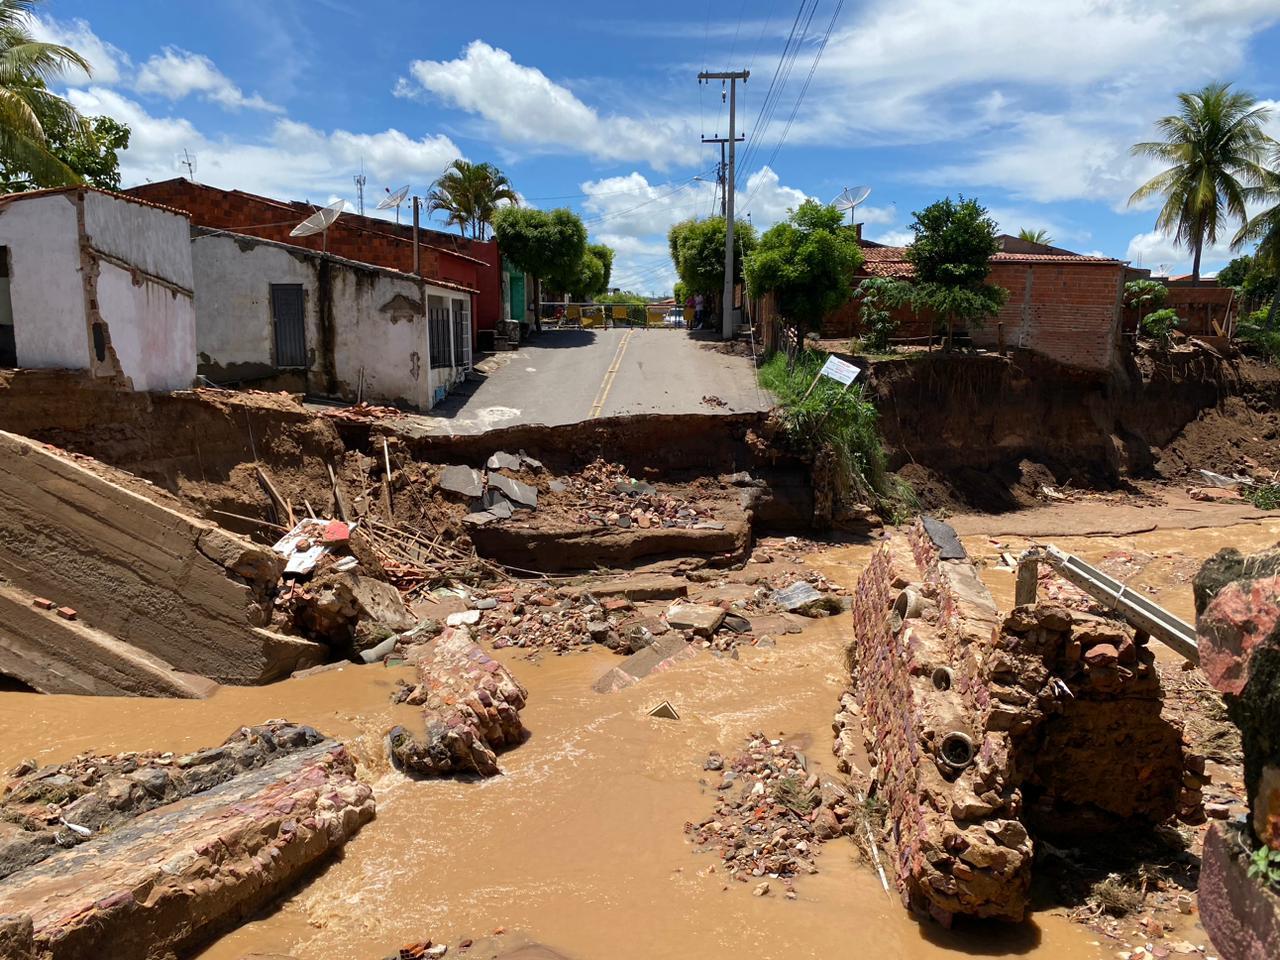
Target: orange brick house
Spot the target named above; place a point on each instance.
(1061, 305)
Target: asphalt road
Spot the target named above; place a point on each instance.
(568, 376)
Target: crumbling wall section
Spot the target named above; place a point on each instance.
(984, 729)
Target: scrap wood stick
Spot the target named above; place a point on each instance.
(284, 509)
(339, 500)
(236, 516)
(386, 480)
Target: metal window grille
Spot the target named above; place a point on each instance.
(462, 335)
(438, 331)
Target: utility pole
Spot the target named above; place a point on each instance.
(727, 328)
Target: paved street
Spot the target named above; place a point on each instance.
(567, 376)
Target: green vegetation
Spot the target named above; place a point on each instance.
(1040, 236)
(470, 193)
(91, 150)
(952, 251)
(590, 277)
(1264, 496)
(634, 302)
(1144, 295)
(878, 296)
(807, 262)
(36, 126)
(1214, 145)
(838, 423)
(544, 243)
(1260, 338)
(1264, 866)
(1159, 326)
(697, 250)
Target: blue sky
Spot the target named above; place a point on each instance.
(1028, 106)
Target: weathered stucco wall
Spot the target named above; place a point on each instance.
(153, 328)
(355, 318)
(49, 327)
(143, 236)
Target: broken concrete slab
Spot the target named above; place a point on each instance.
(463, 618)
(480, 518)
(664, 653)
(504, 461)
(496, 503)
(797, 596)
(635, 488)
(644, 587)
(518, 493)
(470, 709)
(703, 619)
(163, 581)
(171, 877)
(462, 480)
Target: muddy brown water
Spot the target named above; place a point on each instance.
(580, 845)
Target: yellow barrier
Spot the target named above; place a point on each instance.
(590, 318)
(655, 316)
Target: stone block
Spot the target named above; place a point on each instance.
(700, 618)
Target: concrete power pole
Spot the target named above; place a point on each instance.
(727, 329)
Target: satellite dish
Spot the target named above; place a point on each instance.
(393, 198)
(849, 199)
(319, 221)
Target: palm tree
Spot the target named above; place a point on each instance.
(470, 193)
(1264, 229)
(1040, 236)
(26, 106)
(1214, 145)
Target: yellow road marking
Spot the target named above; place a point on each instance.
(607, 383)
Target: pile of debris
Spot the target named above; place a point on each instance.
(772, 814)
(364, 412)
(154, 854)
(605, 494)
(470, 709)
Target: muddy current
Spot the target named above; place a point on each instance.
(580, 845)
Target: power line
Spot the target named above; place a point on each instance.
(773, 96)
(622, 213)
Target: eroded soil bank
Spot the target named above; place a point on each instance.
(580, 845)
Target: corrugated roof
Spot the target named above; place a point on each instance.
(51, 191)
(893, 261)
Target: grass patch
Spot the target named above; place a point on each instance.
(1259, 340)
(1264, 496)
(1115, 897)
(835, 422)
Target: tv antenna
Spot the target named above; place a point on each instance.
(189, 162)
(360, 180)
(849, 199)
(319, 222)
(394, 199)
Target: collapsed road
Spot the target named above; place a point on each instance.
(577, 662)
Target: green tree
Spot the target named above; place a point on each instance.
(877, 297)
(1214, 146)
(952, 251)
(634, 303)
(27, 108)
(590, 276)
(544, 243)
(470, 194)
(94, 156)
(1040, 236)
(807, 262)
(1233, 274)
(697, 250)
(1264, 229)
(1159, 325)
(1144, 295)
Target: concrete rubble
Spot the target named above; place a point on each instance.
(1238, 626)
(986, 731)
(772, 813)
(470, 710)
(155, 854)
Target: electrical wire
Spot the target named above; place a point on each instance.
(622, 213)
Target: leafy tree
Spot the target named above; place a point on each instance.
(544, 243)
(470, 193)
(681, 293)
(634, 303)
(1265, 230)
(878, 296)
(92, 154)
(697, 250)
(27, 107)
(1040, 236)
(1214, 145)
(1143, 295)
(590, 276)
(1160, 324)
(1233, 274)
(952, 251)
(807, 262)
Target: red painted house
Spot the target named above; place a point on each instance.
(442, 256)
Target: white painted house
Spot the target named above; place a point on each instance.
(97, 281)
(274, 315)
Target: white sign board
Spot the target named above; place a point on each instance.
(839, 370)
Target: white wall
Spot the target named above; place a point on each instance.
(46, 286)
(149, 238)
(233, 278)
(153, 329)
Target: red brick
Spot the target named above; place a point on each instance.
(67, 613)
(43, 603)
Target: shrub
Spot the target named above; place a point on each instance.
(1160, 324)
(1255, 335)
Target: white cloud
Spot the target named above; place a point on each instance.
(177, 74)
(1156, 252)
(521, 105)
(767, 200)
(107, 61)
(893, 238)
(294, 161)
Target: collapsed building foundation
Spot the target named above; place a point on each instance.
(986, 731)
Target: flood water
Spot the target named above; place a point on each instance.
(580, 845)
